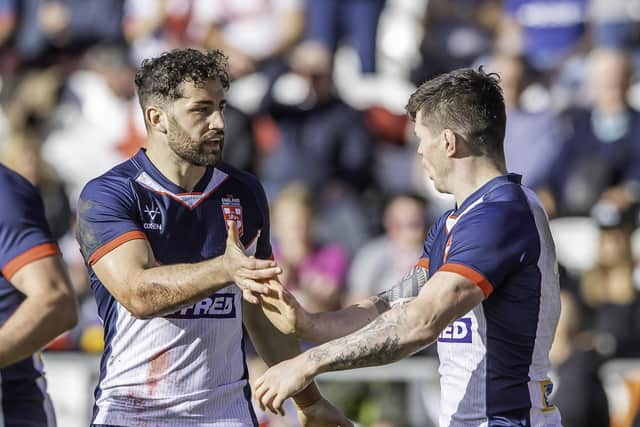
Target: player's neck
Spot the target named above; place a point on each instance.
(175, 169)
(471, 178)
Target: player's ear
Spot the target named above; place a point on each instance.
(451, 141)
(156, 118)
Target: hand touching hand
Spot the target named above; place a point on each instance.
(246, 272)
(283, 310)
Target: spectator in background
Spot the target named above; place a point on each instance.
(609, 289)
(314, 272)
(547, 31)
(614, 23)
(29, 120)
(22, 153)
(44, 30)
(579, 394)
(98, 120)
(456, 33)
(155, 26)
(533, 139)
(316, 138)
(601, 157)
(330, 22)
(253, 33)
(382, 262)
(311, 135)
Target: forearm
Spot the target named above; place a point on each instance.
(32, 326)
(271, 345)
(164, 289)
(322, 327)
(392, 336)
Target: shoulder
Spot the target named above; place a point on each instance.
(116, 182)
(16, 193)
(242, 177)
(505, 209)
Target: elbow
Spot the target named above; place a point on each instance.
(136, 306)
(63, 311)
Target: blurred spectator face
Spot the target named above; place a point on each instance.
(511, 70)
(404, 221)
(609, 73)
(314, 62)
(195, 128)
(21, 154)
(614, 247)
(291, 219)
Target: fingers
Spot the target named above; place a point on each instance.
(233, 236)
(263, 274)
(249, 297)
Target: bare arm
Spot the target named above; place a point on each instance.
(131, 274)
(404, 329)
(327, 326)
(48, 309)
(399, 332)
(273, 347)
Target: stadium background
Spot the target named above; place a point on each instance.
(316, 112)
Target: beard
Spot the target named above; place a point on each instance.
(194, 151)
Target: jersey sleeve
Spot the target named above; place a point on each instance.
(428, 242)
(24, 232)
(107, 218)
(488, 244)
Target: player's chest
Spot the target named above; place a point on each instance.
(192, 229)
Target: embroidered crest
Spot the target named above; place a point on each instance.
(232, 211)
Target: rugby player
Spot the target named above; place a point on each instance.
(491, 297)
(175, 239)
(36, 302)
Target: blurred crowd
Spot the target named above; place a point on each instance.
(316, 112)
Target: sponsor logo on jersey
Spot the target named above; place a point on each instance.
(152, 213)
(217, 306)
(232, 211)
(546, 388)
(457, 332)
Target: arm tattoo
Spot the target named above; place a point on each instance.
(408, 288)
(377, 343)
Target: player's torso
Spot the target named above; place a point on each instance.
(480, 376)
(189, 362)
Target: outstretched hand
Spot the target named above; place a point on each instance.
(248, 273)
(283, 310)
(280, 382)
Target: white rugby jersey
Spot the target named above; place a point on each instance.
(186, 368)
(494, 362)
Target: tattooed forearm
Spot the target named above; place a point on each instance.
(408, 287)
(378, 343)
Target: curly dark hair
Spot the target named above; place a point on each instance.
(470, 103)
(158, 79)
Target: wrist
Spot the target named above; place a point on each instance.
(305, 328)
(310, 395)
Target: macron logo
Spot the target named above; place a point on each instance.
(152, 213)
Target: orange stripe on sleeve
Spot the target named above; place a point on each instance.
(30, 255)
(111, 245)
(480, 281)
(424, 263)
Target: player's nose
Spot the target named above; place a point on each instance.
(216, 120)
